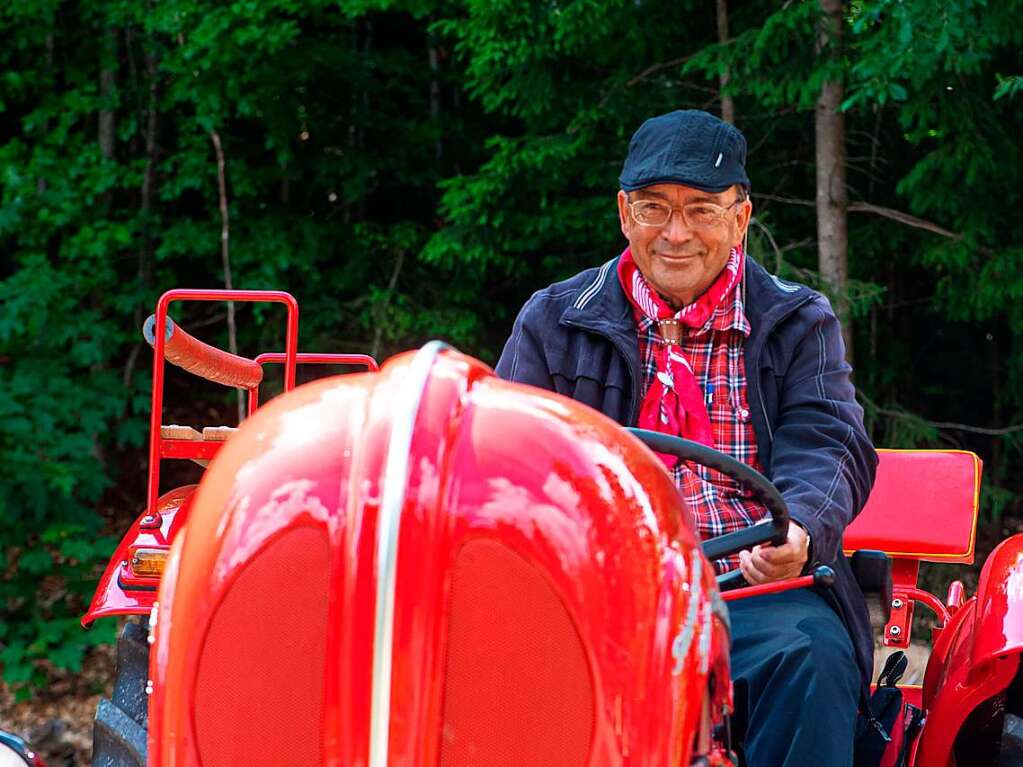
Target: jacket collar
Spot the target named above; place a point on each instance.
(602, 306)
(769, 299)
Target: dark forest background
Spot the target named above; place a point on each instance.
(414, 169)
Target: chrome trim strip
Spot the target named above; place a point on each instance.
(395, 481)
(684, 639)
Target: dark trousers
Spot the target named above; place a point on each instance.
(796, 681)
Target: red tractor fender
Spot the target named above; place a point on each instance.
(999, 613)
(432, 566)
(122, 591)
(977, 655)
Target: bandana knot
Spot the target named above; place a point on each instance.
(674, 403)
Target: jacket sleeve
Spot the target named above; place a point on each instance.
(523, 358)
(822, 462)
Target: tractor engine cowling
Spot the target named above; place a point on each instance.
(432, 566)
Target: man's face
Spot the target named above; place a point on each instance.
(681, 261)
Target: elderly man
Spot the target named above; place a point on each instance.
(684, 333)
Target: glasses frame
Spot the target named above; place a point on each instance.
(723, 212)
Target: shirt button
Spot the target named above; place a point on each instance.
(743, 413)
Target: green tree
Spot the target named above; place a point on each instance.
(415, 169)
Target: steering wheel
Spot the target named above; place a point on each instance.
(774, 529)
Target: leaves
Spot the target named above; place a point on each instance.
(416, 168)
(1008, 86)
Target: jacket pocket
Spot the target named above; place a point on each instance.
(596, 375)
(601, 367)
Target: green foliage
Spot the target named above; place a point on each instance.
(332, 156)
(935, 304)
(414, 169)
(1008, 86)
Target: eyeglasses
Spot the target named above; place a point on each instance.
(696, 215)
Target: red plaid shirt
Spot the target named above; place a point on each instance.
(715, 352)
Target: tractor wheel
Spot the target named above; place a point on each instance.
(119, 730)
(1011, 754)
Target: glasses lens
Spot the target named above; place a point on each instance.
(703, 214)
(650, 213)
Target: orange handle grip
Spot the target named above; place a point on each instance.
(203, 360)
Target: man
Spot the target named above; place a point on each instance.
(683, 333)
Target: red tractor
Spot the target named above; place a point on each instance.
(427, 565)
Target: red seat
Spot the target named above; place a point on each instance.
(923, 506)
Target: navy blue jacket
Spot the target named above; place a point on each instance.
(578, 338)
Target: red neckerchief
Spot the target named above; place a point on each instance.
(674, 402)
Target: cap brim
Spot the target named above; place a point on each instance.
(703, 187)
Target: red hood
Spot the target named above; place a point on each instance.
(550, 605)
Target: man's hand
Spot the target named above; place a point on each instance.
(766, 563)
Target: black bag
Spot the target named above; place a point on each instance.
(886, 729)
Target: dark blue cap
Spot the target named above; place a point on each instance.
(688, 147)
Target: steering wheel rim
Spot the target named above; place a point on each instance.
(774, 530)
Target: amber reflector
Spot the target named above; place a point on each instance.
(259, 684)
(148, 563)
(518, 691)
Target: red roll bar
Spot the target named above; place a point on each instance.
(218, 362)
(309, 358)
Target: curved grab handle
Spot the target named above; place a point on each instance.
(203, 360)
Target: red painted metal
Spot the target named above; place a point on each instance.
(927, 598)
(955, 685)
(159, 352)
(937, 663)
(316, 358)
(999, 630)
(977, 655)
(538, 709)
(547, 478)
(202, 450)
(310, 358)
(119, 591)
(802, 582)
(269, 590)
(955, 597)
(904, 577)
(925, 486)
(547, 481)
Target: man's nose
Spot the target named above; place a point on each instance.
(676, 230)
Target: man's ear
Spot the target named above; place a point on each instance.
(624, 219)
(742, 219)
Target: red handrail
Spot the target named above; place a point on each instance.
(203, 360)
(927, 598)
(159, 354)
(800, 582)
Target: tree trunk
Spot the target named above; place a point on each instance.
(727, 104)
(107, 126)
(144, 275)
(832, 198)
(380, 310)
(41, 185)
(225, 254)
(434, 62)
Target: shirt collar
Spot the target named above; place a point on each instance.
(730, 315)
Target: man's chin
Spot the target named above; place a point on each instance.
(676, 293)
